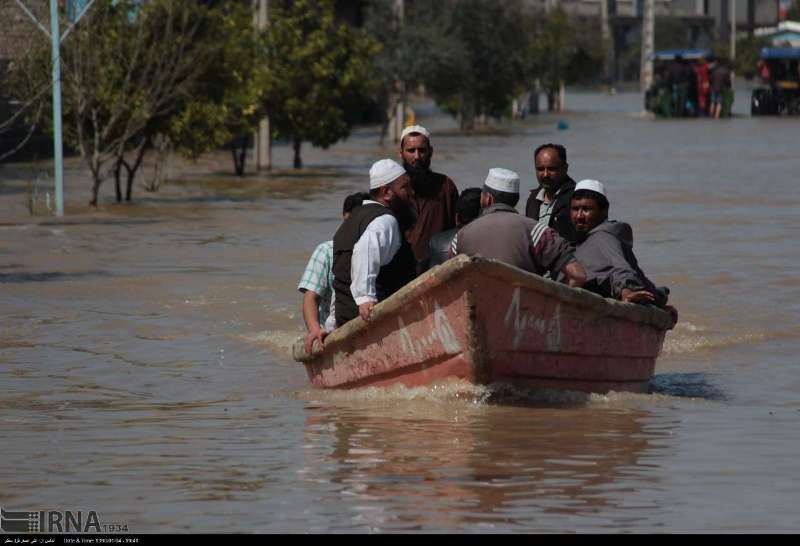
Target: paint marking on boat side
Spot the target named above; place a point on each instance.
(521, 322)
(442, 332)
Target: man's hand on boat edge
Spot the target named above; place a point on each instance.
(318, 334)
(365, 310)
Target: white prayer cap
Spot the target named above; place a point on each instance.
(415, 129)
(384, 172)
(502, 180)
(592, 185)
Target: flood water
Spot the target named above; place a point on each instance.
(146, 372)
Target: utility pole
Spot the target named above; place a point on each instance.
(58, 143)
(648, 38)
(608, 42)
(263, 138)
(400, 106)
(732, 11)
(55, 56)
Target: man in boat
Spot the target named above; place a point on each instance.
(371, 257)
(549, 203)
(502, 234)
(316, 284)
(435, 194)
(605, 248)
(468, 208)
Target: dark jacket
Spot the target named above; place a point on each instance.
(607, 255)
(393, 276)
(439, 249)
(559, 218)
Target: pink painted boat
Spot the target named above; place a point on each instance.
(484, 321)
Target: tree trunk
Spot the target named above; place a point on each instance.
(117, 187)
(298, 161)
(467, 115)
(239, 151)
(95, 190)
(133, 169)
(162, 150)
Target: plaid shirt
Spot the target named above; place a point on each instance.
(318, 277)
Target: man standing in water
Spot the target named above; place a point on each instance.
(549, 203)
(371, 257)
(435, 194)
(501, 233)
(316, 285)
(605, 248)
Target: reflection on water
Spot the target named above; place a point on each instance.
(146, 369)
(473, 466)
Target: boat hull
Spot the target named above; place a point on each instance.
(484, 322)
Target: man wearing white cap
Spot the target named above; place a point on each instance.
(435, 194)
(371, 257)
(605, 248)
(502, 234)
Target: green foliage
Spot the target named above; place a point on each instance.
(133, 72)
(588, 52)
(748, 51)
(227, 99)
(474, 55)
(320, 75)
(553, 49)
(794, 11)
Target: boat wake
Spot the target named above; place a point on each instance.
(277, 341)
(691, 338)
(454, 392)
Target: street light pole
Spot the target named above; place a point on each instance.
(263, 144)
(732, 11)
(58, 146)
(55, 56)
(648, 40)
(400, 107)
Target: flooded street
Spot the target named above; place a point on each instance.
(146, 371)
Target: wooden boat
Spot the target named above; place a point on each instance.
(484, 321)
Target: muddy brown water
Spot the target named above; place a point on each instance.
(145, 368)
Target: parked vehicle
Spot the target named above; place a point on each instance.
(668, 97)
(779, 92)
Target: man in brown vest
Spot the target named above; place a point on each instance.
(502, 234)
(371, 257)
(435, 195)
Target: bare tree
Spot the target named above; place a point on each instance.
(125, 70)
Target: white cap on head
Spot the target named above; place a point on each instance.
(384, 172)
(592, 185)
(415, 129)
(502, 180)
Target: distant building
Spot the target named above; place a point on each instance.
(785, 34)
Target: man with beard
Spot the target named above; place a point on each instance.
(549, 203)
(435, 194)
(501, 233)
(371, 257)
(605, 248)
